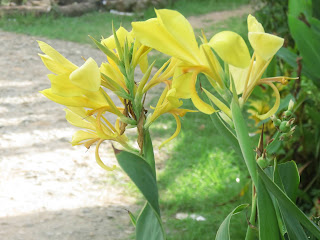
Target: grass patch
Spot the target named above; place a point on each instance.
(98, 24)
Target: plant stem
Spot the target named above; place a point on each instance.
(250, 231)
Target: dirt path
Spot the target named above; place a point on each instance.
(50, 190)
(210, 18)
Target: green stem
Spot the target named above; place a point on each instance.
(250, 231)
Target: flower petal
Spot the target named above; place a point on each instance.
(276, 105)
(122, 35)
(231, 48)
(175, 133)
(254, 25)
(77, 120)
(154, 33)
(56, 56)
(181, 82)
(87, 76)
(81, 135)
(62, 86)
(265, 45)
(198, 103)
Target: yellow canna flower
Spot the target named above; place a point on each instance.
(170, 33)
(97, 129)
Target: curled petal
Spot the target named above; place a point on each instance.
(231, 48)
(198, 103)
(265, 45)
(276, 105)
(99, 161)
(87, 77)
(175, 133)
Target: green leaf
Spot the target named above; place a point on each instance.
(223, 231)
(132, 218)
(141, 174)
(308, 42)
(244, 140)
(286, 202)
(286, 176)
(268, 222)
(149, 225)
(148, 151)
(226, 132)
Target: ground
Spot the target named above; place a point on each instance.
(49, 189)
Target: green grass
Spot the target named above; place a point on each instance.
(98, 24)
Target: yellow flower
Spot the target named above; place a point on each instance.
(172, 34)
(97, 129)
(169, 102)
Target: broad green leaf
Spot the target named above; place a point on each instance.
(223, 231)
(141, 174)
(291, 59)
(149, 225)
(268, 222)
(286, 202)
(308, 43)
(286, 176)
(244, 140)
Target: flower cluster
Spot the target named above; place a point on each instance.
(85, 90)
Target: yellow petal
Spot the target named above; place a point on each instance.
(54, 66)
(231, 48)
(254, 25)
(239, 76)
(154, 33)
(214, 67)
(276, 105)
(265, 45)
(77, 120)
(175, 133)
(87, 76)
(81, 135)
(143, 63)
(122, 35)
(56, 56)
(181, 82)
(173, 99)
(62, 86)
(70, 101)
(98, 159)
(198, 103)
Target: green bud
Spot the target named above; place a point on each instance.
(284, 127)
(263, 163)
(287, 113)
(277, 122)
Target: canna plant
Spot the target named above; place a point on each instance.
(85, 91)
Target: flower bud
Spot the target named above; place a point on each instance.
(262, 162)
(291, 104)
(287, 114)
(284, 127)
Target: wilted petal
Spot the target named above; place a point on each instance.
(231, 48)
(87, 76)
